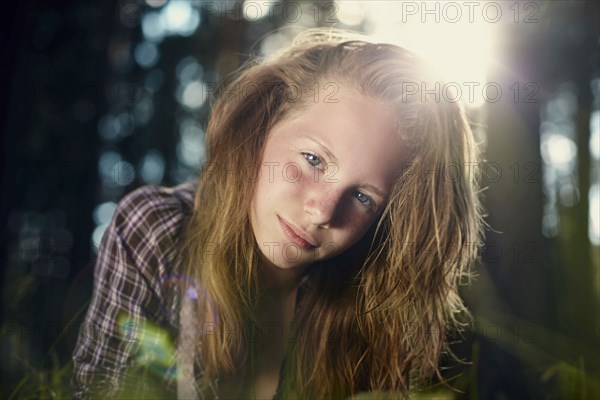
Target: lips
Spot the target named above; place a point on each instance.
(295, 235)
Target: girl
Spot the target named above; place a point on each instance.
(319, 253)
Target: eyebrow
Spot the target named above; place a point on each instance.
(335, 160)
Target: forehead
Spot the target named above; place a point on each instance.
(360, 132)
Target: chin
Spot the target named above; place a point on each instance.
(286, 264)
(279, 261)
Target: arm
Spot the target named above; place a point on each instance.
(127, 293)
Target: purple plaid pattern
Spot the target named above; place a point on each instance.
(134, 283)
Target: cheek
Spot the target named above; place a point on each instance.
(291, 172)
(356, 228)
(278, 181)
(360, 226)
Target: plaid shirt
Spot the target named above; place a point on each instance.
(136, 270)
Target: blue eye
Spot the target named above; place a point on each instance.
(313, 160)
(364, 199)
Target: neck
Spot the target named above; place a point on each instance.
(277, 282)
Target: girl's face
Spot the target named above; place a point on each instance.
(325, 176)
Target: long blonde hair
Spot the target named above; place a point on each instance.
(375, 317)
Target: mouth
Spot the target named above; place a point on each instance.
(302, 239)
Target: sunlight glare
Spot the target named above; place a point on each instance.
(461, 51)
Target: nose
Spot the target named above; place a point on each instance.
(320, 206)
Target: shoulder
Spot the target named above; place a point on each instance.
(152, 202)
(150, 218)
(141, 249)
(146, 231)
